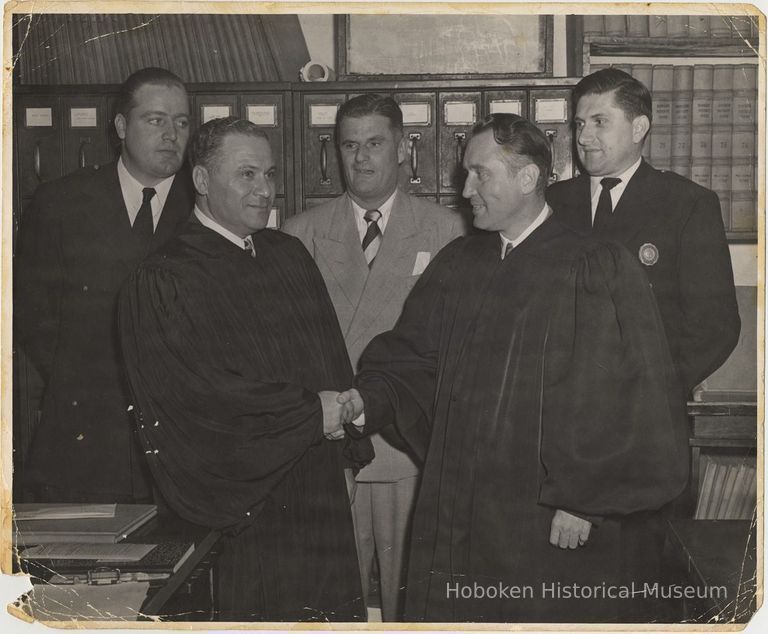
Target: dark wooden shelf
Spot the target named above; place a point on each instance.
(609, 46)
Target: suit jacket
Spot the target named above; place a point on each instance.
(675, 229)
(76, 248)
(369, 302)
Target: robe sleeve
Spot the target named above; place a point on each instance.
(399, 369)
(613, 429)
(218, 435)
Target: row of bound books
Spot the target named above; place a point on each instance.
(727, 489)
(702, 26)
(705, 128)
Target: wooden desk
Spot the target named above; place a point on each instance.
(712, 554)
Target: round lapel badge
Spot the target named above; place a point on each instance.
(648, 254)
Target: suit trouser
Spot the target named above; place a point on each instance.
(382, 512)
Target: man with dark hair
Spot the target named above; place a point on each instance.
(528, 370)
(80, 238)
(375, 219)
(672, 225)
(233, 351)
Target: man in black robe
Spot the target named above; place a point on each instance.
(233, 354)
(530, 371)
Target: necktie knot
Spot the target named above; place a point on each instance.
(143, 225)
(609, 182)
(372, 215)
(248, 246)
(604, 209)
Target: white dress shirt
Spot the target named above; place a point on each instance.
(222, 231)
(545, 213)
(596, 188)
(133, 194)
(385, 209)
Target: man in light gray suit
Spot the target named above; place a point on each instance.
(371, 244)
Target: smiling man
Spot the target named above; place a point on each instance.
(371, 245)
(80, 239)
(232, 350)
(528, 371)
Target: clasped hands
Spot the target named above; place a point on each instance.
(339, 408)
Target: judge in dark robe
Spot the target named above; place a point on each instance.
(529, 370)
(233, 353)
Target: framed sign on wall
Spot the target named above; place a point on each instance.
(443, 46)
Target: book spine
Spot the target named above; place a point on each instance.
(637, 25)
(743, 211)
(615, 25)
(721, 185)
(719, 26)
(661, 139)
(682, 102)
(701, 125)
(677, 26)
(657, 25)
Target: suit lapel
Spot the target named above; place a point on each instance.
(178, 207)
(391, 268)
(105, 208)
(577, 211)
(638, 206)
(342, 253)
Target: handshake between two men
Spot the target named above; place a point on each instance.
(340, 408)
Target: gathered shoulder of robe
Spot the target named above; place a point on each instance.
(225, 354)
(538, 382)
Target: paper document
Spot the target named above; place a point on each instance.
(62, 511)
(100, 552)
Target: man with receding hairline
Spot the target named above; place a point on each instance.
(528, 371)
(234, 354)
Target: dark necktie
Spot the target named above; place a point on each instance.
(142, 226)
(372, 238)
(604, 204)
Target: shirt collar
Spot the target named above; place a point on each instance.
(545, 213)
(211, 224)
(625, 177)
(133, 190)
(385, 209)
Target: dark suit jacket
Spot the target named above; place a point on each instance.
(76, 249)
(692, 277)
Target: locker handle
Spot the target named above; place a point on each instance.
(324, 140)
(460, 137)
(36, 160)
(551, 134)
(81, 153)
(414, 137)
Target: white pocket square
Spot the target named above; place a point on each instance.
(422, 260)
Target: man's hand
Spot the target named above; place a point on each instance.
(332, 428)
(568, 531)
(352, 405)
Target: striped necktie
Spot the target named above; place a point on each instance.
(372, 238)
(248, 246)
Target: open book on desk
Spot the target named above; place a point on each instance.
(127, 518)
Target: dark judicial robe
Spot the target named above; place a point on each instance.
(533, 383)
(225, 355)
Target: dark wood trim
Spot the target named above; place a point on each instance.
(608, 46)
(574, 35)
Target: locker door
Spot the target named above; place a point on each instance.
(39, 142)
(320, 162)
(85, 132)
(550, 110)
(418, 174)
(459, 111)
(268, 112)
